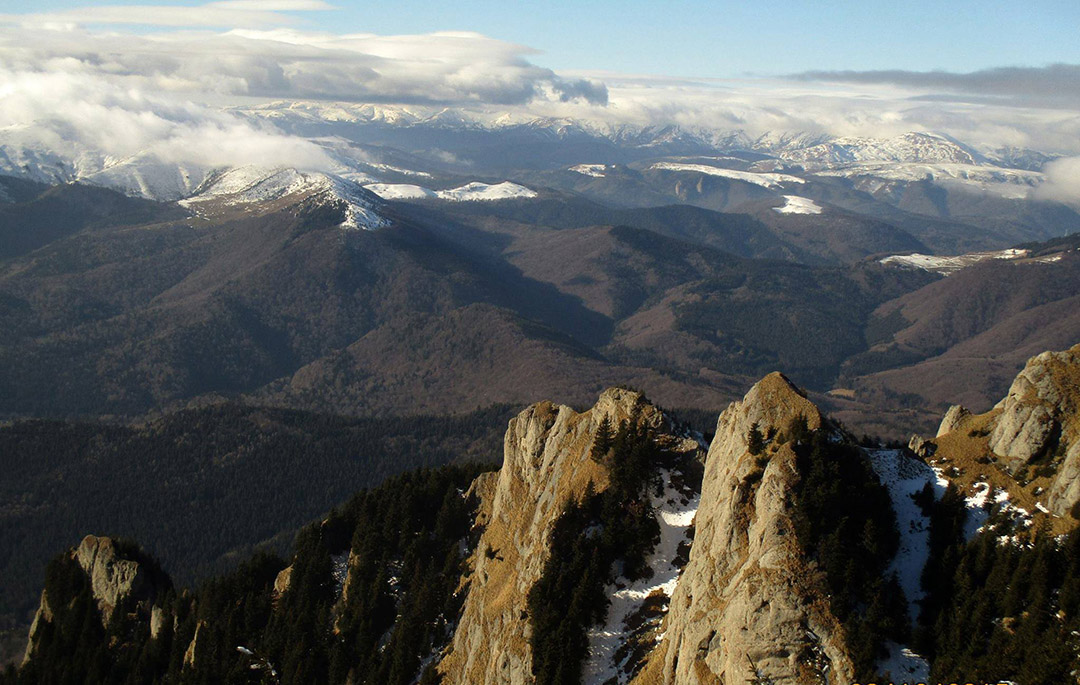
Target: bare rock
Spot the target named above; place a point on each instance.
(954, 419)
(546, 465)
(1044, 396)
(113, 577)
(921, 447)
(282, 581)
(747, 607)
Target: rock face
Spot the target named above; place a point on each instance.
(546, 465)
(114, 577)
(1040, 422)
(746, 608)
(921, 447)
(954, 419)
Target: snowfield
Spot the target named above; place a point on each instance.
(675, 513)
(798, 205)
(764, 179)
(594, 170)
(904, 476)
(948, 265)
(400, 191)
(471, 192)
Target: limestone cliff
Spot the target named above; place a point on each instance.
(546, 466)
(747, 608)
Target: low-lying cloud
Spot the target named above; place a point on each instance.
(1062, 181)
(1055, 85)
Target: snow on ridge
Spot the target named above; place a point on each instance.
(764, 179)
(798, 205)
(594, 170)
(674, 513)
(400, 191)
(946, 265)
(477, 191)
(470, 192)
(251, 185)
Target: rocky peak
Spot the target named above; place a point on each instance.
(747, 609)
(116, 575)
(113, 576)
(546, 465)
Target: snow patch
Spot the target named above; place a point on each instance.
(798, 205)
(904, 477)
(948, 265)
(400, 191)
(903, 666)
(765, 179)
(340, 571)
(399, 170)
(471, 192)
(675, 513)
(594, 170)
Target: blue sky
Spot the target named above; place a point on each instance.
(723, 38)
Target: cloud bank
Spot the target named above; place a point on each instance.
(1055, 85)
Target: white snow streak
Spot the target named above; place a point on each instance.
(798, 205)
(947, 265)
(674, 512)
(766, 180)
(471, 192)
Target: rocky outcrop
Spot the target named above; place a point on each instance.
(43, 617)
(747, 607)
(113, 577)
(190, 654)
(1039, 421)
(116, 576)
(954, 419)
(922, 447)
(1042, 398)
(546, 466)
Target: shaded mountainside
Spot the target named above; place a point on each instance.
(202, 487)
(281, 304)
(963, 338)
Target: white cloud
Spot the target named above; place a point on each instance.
(56, 111)
(227, 13)
(1062, 181)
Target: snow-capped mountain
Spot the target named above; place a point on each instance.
(245, 186)
(927, 148)
(435, 151)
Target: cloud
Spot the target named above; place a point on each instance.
(97, 120)
(450, 68)
(227, 13)
(1056, 85)
(1062, 181)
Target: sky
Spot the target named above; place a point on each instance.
(716, 38)
(123, 78)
